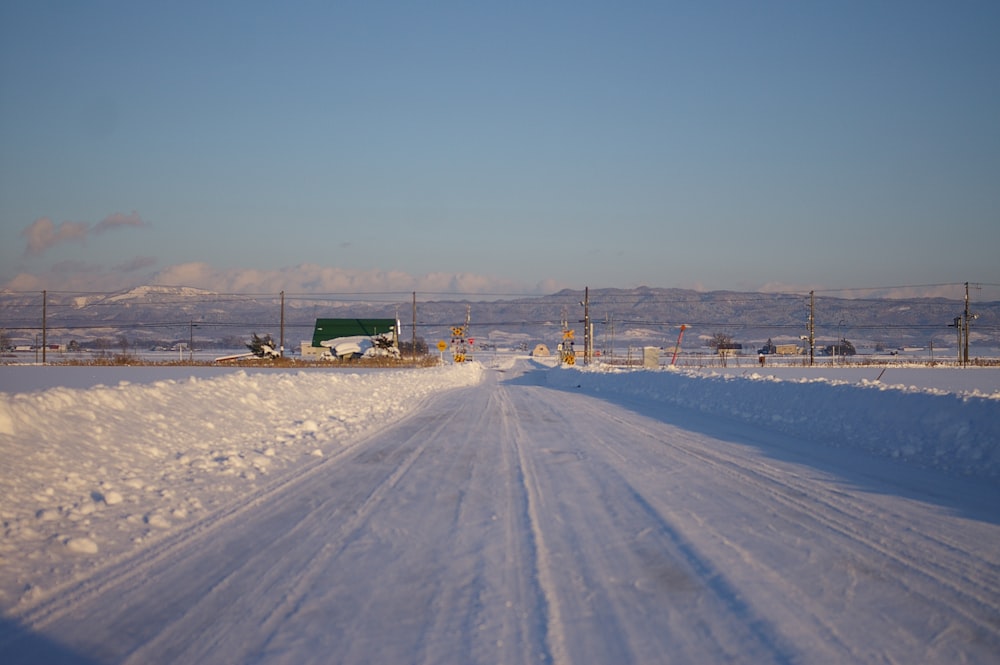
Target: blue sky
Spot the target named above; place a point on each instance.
(498, 147)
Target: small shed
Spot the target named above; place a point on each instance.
(541, 351)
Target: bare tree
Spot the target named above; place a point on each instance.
(720, 341)
(723, 345)
(102, 344)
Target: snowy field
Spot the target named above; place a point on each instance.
(507, 511)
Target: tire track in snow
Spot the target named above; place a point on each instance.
(447, 631)
(620, 535)
(944, 572)
(457, 611)
(527, 486)
(760, 631)
(303, 565)
(127, 575)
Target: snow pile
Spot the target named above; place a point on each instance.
(956, 432)
(106, 469)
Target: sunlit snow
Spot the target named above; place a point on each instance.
(500, 511)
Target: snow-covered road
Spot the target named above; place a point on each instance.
(517, 522)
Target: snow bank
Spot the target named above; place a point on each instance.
(90, 473)
(933, 428)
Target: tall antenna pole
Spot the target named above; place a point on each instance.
(413, 334)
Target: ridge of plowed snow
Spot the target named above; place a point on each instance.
(106, 469)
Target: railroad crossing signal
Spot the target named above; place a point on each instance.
(566, 352)
(458, 345)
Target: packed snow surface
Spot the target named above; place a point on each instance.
(504, 512)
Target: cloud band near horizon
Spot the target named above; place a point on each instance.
(303, 278)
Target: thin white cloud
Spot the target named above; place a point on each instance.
(43, 234)
(310, 278)
(305, 278)
(313, 278)
(90, 280)
(80, 276)
(785, 287)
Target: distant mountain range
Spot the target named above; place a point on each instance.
(156, 315)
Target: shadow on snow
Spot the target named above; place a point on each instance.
(970, 497)
(19, 645)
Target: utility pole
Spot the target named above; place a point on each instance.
(281, 350)
(812, 327)
(611, 324)
(965, 346)
(957, 324)
(586, 325)
(45, 343)
(413, 334)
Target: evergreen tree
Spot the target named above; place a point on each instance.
(257, 346)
